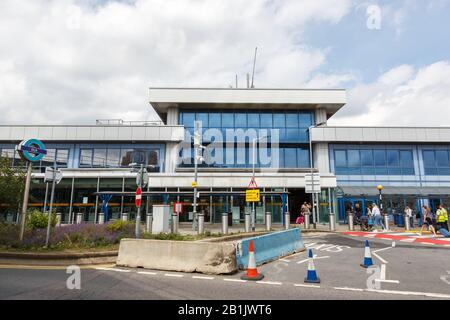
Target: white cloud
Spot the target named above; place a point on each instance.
(401, 97)
(70, 61)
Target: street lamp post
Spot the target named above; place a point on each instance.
(312, 171)
(197, 157)
(253, 176)
(380, 197)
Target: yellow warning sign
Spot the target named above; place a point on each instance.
(194, 184)
(252, 195)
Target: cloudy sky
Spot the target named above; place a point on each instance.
(74, 61)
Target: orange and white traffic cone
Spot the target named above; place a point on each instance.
(252, 272)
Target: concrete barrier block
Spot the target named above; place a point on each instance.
(182, 256)
(270, 246)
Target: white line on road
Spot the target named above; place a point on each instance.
(348, 289)
(147, 272)
(379, 258)
(387, 281)
(269, 282)
(315, 258)
(285, 260)
(387, 248)
(306, 285)
(234, 280)
(112, 269)
(173, 275)
(203, 278)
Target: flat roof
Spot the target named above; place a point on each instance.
(231, 98)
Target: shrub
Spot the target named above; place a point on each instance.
(119, 225)
(39, 220)
(9, 234)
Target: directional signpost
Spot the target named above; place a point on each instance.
(31, 150)
(312, 183)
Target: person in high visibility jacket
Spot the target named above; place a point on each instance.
(442, 217)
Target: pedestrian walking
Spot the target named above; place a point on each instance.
(378, 219)
(442, 217)
(305, 210)
(409, 215)
(427, 220)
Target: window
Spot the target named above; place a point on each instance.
(99, 159)
(380, 158)
(253, 120)
(62, 157)
(227, 120)
(240, 120)
(290, 158)
(442, 158)
(340, 158)
(366, 158)
(215, 120)
(49, 159)
(305, 119)
(374, 162)
(292, 120)
(429, 159)
(203, 118)
(353, 158)
(187, 119)
(436, 162)
(279, 120)
(266, 120)
(86, 158)
(393, 158)
(126, 157)
(303, 158)
(113, 158)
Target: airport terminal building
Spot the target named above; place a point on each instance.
(411, 163)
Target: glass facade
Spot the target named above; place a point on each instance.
(436, 162)
(374, 161)
(229, 136)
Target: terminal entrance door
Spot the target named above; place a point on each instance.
(296, 198)
(357, 205)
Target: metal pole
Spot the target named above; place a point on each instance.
(350, 221)
(138, 214)
(51, 206)
(268, 220)
(194, 209)
(312, 177)
(45, 200)
(253, 177)
(71, 214)
(225, 223)
(287, 220)
(26, 195)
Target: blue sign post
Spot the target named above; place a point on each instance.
(30, 150)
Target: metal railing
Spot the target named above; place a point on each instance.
(120, 122)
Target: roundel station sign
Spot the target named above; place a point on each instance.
(31, 150)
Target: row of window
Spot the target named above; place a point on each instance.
(118, 157)
(250, 119)
(284, 135)
(237, 157)
(374, 161)
(436, 162)
(61, 156)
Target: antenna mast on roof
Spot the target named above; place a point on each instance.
(254, 63)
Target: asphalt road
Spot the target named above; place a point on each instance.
(413, 272)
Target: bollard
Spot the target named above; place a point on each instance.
(386, 221)
(247, 222)
(124, 216)
(149, 222)
(9, 217)
(407, 225)
(79, 217)
(58, 219)
(101, 218)
(268, 221)
(201, 222)
(307, 224)
(332, 222)
(287, 219)
(350, 222)
(175, 222)
(225, 223)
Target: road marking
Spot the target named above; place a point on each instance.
(379, 258)
(306, 285)
(202, 277)
(387, 248)
(387, 281)
(348, 289)
(26, 267)
(147, 272)
(285, 260)
(112, 269)
(173, 275)
(408, 240)
(315, 258)
(234, 280)
(269, 282)
(413, 293)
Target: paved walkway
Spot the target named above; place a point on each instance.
(404, 236)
